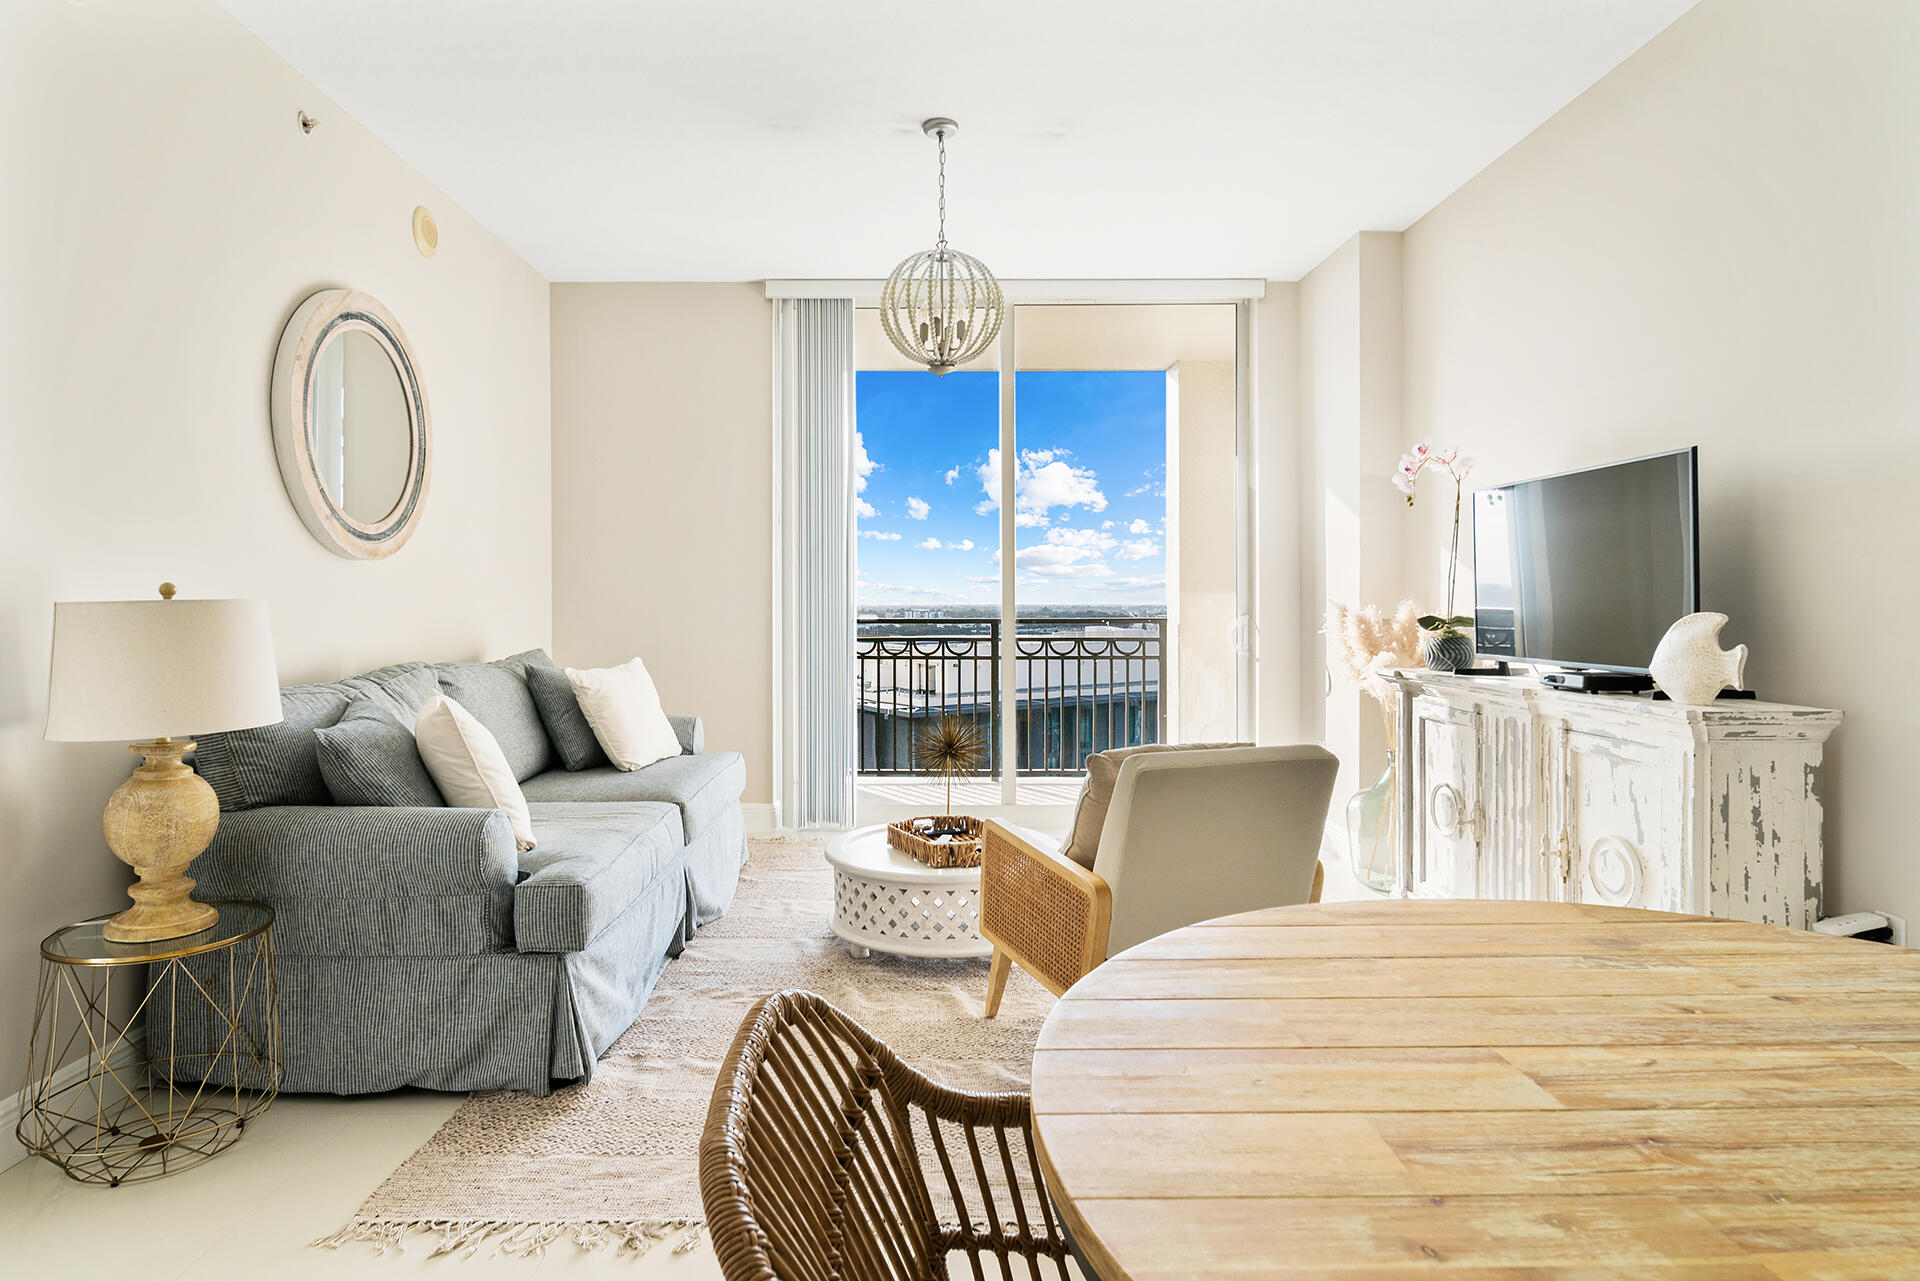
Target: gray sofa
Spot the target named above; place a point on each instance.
(415, 945)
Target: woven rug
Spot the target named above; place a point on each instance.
(615, 1163)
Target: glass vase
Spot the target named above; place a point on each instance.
(1370, 833)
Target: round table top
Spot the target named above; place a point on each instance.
(83, 944)
(864, 852)
(1412, 1089)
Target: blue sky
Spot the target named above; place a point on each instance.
(1090, 501)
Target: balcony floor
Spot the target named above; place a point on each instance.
(899, 789)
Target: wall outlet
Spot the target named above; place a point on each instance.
(1899, 926)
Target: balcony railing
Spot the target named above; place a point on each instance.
(1080, 685)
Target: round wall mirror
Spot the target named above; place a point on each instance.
(350, 424)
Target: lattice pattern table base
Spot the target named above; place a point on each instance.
(914, 920)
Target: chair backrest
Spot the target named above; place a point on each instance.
(819, 1146)
(1195, 835)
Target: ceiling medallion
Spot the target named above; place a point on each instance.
(941, 308)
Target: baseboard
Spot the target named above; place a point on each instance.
(132, 1050)
(763, 817)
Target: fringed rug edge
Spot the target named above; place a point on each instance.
(516, 1239)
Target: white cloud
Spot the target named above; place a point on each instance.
(1137, 549)
(881, 535)
(953, 474)
(1094, 570)
(964, 545)
(1106, 524)
(1087, 540)
(1043, 480)
(983, 578)
(1139, 527)
(917, 509)
(862, 508)
(863, 466)
(1126, 584)
(930, 545)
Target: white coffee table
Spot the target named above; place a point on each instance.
(884, 901)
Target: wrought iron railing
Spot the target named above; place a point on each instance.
(1080, 685)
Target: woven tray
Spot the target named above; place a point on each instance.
(950, 853)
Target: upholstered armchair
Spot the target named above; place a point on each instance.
(1190, 835)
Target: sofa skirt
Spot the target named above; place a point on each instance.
(497, 1020)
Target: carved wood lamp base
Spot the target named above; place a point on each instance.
(157, 822)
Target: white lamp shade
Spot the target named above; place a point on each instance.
(133, 670)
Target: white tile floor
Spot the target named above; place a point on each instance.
(250, 1212)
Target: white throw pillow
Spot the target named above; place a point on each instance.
(623, 708)
(468, 766)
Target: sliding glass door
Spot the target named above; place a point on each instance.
(1106, 461)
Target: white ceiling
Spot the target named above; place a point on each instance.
(735, 140)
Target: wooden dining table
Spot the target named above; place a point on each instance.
(1491, 1090)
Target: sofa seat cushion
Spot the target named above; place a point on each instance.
(590, 864)
(705, 787)
(496, 694)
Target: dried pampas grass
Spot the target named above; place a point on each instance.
(1366, 642)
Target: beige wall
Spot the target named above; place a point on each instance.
(1351, 434)
(160, 216)
(1717, 245)
(663, 529)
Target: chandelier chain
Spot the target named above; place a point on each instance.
(941, 137)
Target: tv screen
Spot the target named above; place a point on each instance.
(1588, 568)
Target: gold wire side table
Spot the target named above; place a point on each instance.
(148, 1058)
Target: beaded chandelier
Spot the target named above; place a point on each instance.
(941, 308)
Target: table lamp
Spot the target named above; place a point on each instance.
(142, 670)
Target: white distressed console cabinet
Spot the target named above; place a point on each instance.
(1508, 789)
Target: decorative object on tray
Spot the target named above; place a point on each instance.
(1446, 647)
(1690, 667)
(146, 669)
(1367, 643)
(950, 746)
(948, 840)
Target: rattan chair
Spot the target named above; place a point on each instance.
(1190, 836)
(825, 1157)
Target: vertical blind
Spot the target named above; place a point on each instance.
(813, 490)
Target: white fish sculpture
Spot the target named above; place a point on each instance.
(1690, 667)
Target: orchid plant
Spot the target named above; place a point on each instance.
(1457, 466)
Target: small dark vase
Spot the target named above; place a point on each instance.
(1446, 653)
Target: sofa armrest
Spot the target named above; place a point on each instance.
(369, 880)
(692, 733)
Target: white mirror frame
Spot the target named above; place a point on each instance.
(321, 317)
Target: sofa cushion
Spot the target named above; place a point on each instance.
(370, 758)
(559, 708)
(497, 696)
(705, 787)
(402, 689)
(468, 766)
(273, 764)
(592, 862)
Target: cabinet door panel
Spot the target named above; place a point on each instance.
(1446, 801)
(1628, 823)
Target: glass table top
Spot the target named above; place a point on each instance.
(83, 943)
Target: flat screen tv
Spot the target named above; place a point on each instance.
(1587, 568)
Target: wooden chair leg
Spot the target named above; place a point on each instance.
(1319, 882)
(997, 979)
